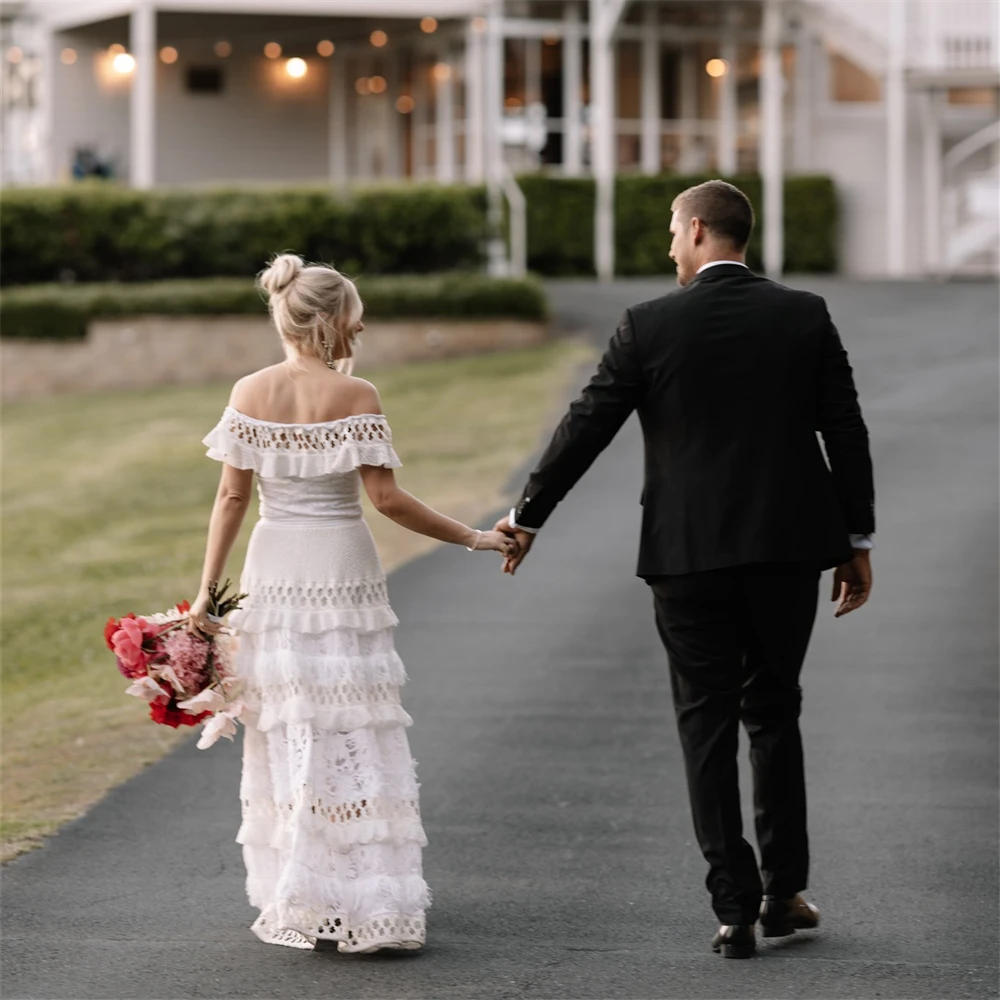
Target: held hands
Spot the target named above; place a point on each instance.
(494, 541)
(524, 540)
(852, 583)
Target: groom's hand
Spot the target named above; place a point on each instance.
(852, 583)
(524, 539)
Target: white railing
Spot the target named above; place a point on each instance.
(941, 35)
(971, 173)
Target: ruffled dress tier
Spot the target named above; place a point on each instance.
(331, 829)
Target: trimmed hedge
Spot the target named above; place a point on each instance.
(102, 233)
(106, 233)
(63, 312)
(561, 223)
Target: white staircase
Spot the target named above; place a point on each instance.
(971, 204)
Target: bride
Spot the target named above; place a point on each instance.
(331, 829)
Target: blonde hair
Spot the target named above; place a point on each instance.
(315, 309)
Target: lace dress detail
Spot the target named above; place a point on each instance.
(331, 829)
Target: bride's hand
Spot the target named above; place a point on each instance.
(198, 617)
(497, 541)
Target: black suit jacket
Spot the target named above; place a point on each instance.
(732, 377)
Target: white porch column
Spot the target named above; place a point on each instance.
(772, 139)
(572, 92)
(650, 71)
(142, 102)
(932, 181)
(444, 131)
(393, 119)
(475, 110)
(337, 121)
(688, 70)
(727, 95)
(602, 104)
(493, 121)
(420, 117)
(805, 50)
(895, 120)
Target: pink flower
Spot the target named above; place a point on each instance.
(127, 644)
(187, 656)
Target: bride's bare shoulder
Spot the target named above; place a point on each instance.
(364, 396)
(246, 389)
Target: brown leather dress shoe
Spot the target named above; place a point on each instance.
(735, 940)
(780, 916)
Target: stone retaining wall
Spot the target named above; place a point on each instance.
(148, 351)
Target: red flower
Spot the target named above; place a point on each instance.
(166, 713)
(112, 627)
(184, 607)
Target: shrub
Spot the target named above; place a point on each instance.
(561, 223)
(106, 233)
(63, 312)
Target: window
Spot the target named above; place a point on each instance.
(850, 84)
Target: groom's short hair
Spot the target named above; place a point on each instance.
(723, 208)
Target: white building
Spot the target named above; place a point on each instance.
(897, 100)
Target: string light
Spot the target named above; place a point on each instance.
(168, 55)
(377, 84)
(428, 25)
(326, 48)
(123, 63)
(272, 50)
(405, 104)
(441, 72)
(223, 49)
(379, 39)
(115, 50)
(716, 67)
(296, 68)
(362, 85)
(67, 57)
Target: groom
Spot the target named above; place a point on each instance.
(732, 376)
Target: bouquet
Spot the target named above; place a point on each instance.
(186, 676)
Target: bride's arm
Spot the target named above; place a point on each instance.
(231, 502)
(406, 510)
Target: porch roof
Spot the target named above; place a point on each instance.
(66, 14)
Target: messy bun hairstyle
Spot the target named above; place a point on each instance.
(315, 309)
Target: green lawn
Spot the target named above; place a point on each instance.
(105, 504)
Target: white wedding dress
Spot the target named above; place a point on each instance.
(331, 829)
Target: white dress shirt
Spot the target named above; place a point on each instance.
(857, 541)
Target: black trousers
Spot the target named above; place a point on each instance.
(736, 639)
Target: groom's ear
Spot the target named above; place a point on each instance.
(698, 230)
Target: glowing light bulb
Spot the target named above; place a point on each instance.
(168, 55)
(296, 68)
(222, 49)
(115, 50)
(428, 25)
(67, 57)
(405, 104)
(441, 72)
(379, 39)
(716, 67)
(326, 48)
(272, 50)
(377, 84)
(362, 85)
(123, 63)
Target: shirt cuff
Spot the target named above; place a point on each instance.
(862, 542)
(511, 520)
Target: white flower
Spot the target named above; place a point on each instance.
(145, 687)
(166, 671)
(208, 700)
(221, 724)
